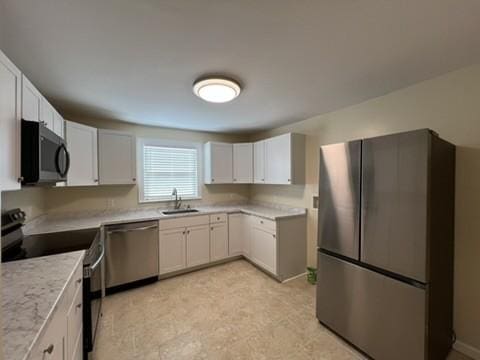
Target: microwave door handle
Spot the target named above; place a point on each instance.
(67, 161)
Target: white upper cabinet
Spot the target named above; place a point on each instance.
(218, 163)
(59, 125)
(82, 146)
(259, 162)
(285, 159)
(47, 114)
(10, 115)
(116, 157)
(243, 163)
(31, 101)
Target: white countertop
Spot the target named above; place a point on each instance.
(31, 290)
(95, 219)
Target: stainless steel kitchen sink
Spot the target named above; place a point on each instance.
(179, 211)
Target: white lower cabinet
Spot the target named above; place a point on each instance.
(172, 250)
(62, 338)
(198, 245)
(218, 241)
(236, 234)
(263, 249)
(74, 324)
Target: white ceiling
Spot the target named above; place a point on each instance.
(136, 60)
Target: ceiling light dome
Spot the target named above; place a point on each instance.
(216, 89)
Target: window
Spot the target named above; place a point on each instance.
(165, 165)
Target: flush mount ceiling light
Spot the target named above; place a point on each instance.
(216, 89)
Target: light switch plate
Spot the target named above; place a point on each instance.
(315, 201)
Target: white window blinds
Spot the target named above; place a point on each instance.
(165, 168)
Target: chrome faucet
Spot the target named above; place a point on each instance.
(178, 200)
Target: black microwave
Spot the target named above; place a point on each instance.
(45, 158)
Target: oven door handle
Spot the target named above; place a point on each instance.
(87, 271)
(99, 260)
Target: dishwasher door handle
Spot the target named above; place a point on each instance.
(132, 229)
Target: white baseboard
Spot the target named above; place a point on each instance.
(466, 349)
(294, 277)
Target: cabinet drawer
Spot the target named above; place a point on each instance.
(74, 322)
(218, 218)
(185, 221)
(74, 284)
(267, 225)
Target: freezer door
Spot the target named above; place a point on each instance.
(394, 203)
(383, 317)
(339, 195)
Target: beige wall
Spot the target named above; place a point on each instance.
(450, 105)
(30, 200)
(98, 197)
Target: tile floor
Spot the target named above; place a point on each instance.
(231, 311)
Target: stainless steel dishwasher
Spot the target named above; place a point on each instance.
(131, 255)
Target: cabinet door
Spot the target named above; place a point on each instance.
(263, 249)
(82, 146)
(198, 245)
(278, 160)
(218, 163)
(59, 125)
(52, 345)
(218, 241)
(116, 156)
(172, 250)
(259, 162)
(10, 114)
(74, 323)
(47, 114)
(394, 203)
(236, 234)
(243, 163)
(31, 101)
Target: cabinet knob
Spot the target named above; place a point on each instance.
(289, 180)
(20, 179)
(188, 231)
(96, 180)
(134, 179)
(211, 228)
(213, 180)
(261, 221)
(274, 235)
(79, 281)
(79, 306)
(49, 349)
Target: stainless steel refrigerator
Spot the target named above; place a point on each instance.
(386, 242)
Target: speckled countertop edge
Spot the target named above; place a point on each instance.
(95, 219)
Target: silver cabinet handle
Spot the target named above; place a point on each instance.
(133, 229)
(49, 349)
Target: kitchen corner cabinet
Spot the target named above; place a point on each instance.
(285, 159)
(218, 241)
(31, 101)
(116, 157)
(82, 146)
(243, 163)
(259, 162)
(10, 116)
(218, 163)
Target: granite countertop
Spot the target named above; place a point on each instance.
(31, 289)
(95, 219)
